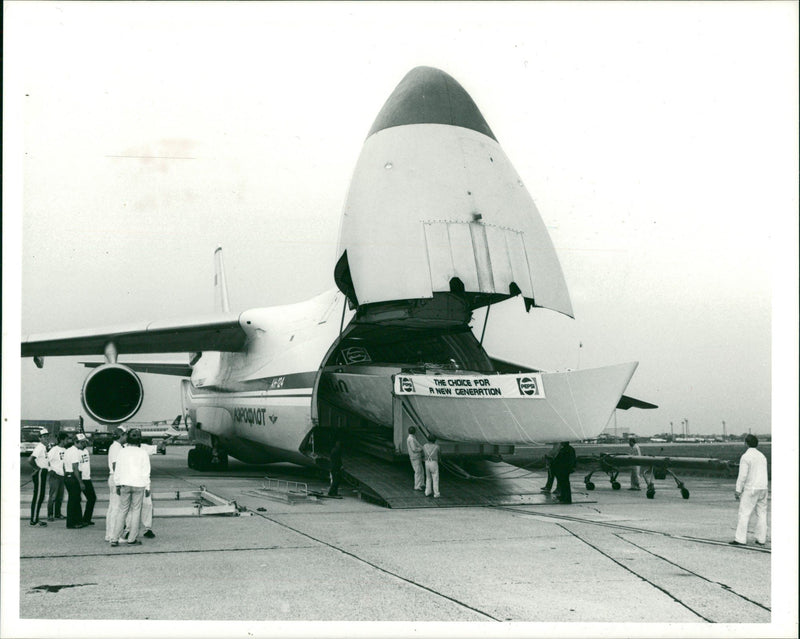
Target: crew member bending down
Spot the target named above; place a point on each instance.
(431, 452)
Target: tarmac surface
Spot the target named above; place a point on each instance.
(615, 557)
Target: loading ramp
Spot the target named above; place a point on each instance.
(484, 483)
(377, 467)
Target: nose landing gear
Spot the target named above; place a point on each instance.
(205, 458)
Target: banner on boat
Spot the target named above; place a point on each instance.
(525, 386)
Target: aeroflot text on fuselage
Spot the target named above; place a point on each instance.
(253, 416)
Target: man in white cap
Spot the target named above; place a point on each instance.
(55, 458)
(113, 499)
(87, 487)
(73, 483)
(38, 460)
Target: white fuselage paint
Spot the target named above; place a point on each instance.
(265, 391)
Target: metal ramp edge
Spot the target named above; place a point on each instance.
(489, 484)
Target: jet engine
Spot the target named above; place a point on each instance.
(112, 394)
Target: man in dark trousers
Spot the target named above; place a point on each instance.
(40, 465)
(336, 469)
(563, 464)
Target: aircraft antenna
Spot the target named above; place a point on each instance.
(221, 302)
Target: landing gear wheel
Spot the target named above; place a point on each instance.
(191, 458)
(651, 492)
(615, 485)
(203, 458)
(589, 485)
(684, 493)
(221, 463)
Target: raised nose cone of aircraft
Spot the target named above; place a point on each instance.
(430, 96)
(435, 207)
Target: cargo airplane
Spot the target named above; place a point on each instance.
(436, 225)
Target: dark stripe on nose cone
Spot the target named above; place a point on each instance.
(430, 96)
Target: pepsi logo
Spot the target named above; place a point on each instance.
(527, 386)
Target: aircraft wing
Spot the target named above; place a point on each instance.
(157, 368)
(221, 332)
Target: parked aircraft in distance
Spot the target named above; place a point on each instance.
(436, 225)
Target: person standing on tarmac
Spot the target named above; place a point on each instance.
(38, 460)
(147, 504)
(131, 477)
(636, 471)
(431, 451)
(752, 491)
(55, 458)
(87, 487)
(73, 483)
(336, 469)
(548, 461)
(415, 455)
(563, 465)
(119, 436)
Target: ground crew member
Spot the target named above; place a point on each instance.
(548, 461)
(415, 455)
(113, 498)
(431, 452)
(73, 483)
(85, 469)
(147, 504)
(563, 465)
(38, 460)
(131, 477)
(336, 469)
(55, 459)
(636, 471)
(752, 488)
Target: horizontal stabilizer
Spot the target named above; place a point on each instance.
(155, 368)
(626, 402)
(221, 332)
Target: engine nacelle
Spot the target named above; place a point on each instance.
(112, 394)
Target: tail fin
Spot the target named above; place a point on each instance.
(221, 302)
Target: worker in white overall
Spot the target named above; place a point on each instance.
(752, 493)
(431, 452)
(415, 455)
(146, 523)
(113, 499)
(636, 471)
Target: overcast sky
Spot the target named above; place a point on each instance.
(659, 142)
